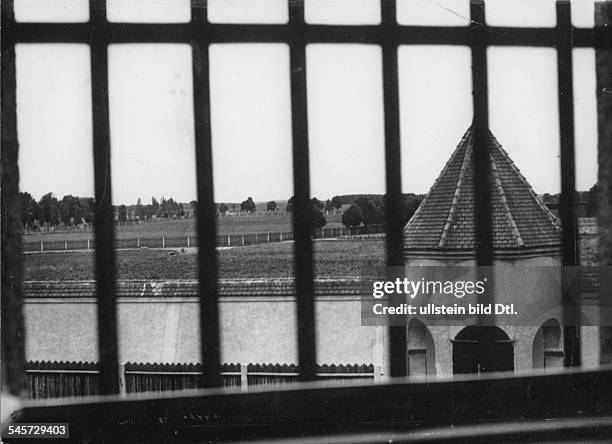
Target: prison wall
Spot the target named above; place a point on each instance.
(159, 322)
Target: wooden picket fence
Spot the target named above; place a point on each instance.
(46, 379)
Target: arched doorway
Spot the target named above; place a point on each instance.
(547, 349)
(421, 350)
(482, 349)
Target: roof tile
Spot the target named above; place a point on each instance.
(445, 219)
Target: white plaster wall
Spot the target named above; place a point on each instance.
(57, 331)
(253, 329)
(340, 337)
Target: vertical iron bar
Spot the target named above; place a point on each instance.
(603, 66)
(206, 211)
(481, 162)
(393, 174)
(480, 136)
(103, 213)
(302, 213)
(12, 322)
(567, 209)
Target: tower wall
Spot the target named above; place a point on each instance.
(531, 294)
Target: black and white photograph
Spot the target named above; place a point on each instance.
(312, 221)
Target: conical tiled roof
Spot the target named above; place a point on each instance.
(445, 219)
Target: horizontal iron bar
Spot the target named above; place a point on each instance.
(92, 372)
(138, 372)
(312, 408)
(261, 33)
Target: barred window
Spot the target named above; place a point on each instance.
(250, 161)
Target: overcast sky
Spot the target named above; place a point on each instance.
(151, 108)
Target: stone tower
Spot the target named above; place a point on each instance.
(525, 234)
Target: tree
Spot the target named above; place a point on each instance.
(223, 209)
(316, 203)
(336, 202)
(248, 205)
(353, 216)
(140, 211)
(194, 206)
(318, 219)
(49, 210)
(370, 214)
(88, 206)
(29, 209)
(290, 204)
(169, 208)
(172, 209)
(271, 206)
(592, 197)
(122, 213)
(65, 209)
(410, 203)
(328, 205)
(180, 211)
(71, 210)
(154, 208)
(163, 208)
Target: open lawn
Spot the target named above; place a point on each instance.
(332, 259)
(184, 227)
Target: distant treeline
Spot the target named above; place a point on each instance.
(50, 212)
(349, 199)
(369, 209)
(586, 201)
(73, 210)
(364, 209)
(164, 208)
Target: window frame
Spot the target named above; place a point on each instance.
(199, 33)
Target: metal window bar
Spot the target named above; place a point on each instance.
(199, 33)
(569, 223)
(482, 168)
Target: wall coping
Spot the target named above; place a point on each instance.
(349, 286)
(174, 288)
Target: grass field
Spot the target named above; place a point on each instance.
(332, 259)
(185, 227)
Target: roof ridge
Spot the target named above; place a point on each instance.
(451, 211)
(464, 138)
(514, 228)
(553, 219)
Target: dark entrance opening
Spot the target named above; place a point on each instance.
(483, 349)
